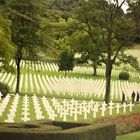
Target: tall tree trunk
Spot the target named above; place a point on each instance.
(108, 81)
(18, 75)
(95, 70)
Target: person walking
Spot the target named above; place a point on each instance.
(133, 97)
(138, 97)
(123, 97)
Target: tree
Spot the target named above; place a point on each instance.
(110, 31)
(81, 43)
(55, 28)
(66, 5)
(24, 30)
(134, 13)
(66, 61)
(6, 45)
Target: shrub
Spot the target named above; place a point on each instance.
(124, 123)
(4, 89)
(124, 76)
(43, 131)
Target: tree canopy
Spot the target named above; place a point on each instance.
(109, 30)
(25, 26)
(134, 13)
(98, 29)
(66, 61)
(6, 46)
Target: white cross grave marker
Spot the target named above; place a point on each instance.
(64, 113)
(118, 107)
(103, 108)
(53, 115)
(111, 107)
(130, 106)
(75, 111)
(124, 107)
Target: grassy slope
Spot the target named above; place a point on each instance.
(130, 136)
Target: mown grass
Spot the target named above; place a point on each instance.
(76, 75)
(29, 70)
(130, 136)
(60, 97)
(67, 95)
(32, 114)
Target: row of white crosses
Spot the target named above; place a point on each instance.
(67, 109)
(37, 108)
(4, 103)
(12, 112)
(25, 109)
(71, 86)
(51, 84)
(31, 83)
(76, 86)
(42, 66)
(63, 108)
(48, 108)
(36, 83)
(73, 108)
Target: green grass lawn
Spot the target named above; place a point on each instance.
(130, 136)
(60, 97)
(30, 69)
(32, 115)
(76, 75)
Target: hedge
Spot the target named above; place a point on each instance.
(47, 131)
(4, 89)
(124, 76)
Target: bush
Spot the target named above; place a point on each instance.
(4, 89)
(45, 131)
(124, 76)
(124, 123)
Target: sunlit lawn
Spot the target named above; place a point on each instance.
(130, 136)
(32, 115)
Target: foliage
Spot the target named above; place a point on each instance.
(129, 59)
(56, 26)
(124, 76)
(82, 59)
(109, 30)
(81, 43)
(124, 123)
(4, 89)
(134, 13)
(46, 130)
(6, 46)
(66, 61)
(25, 26)
(55, 32)
(66, 5)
